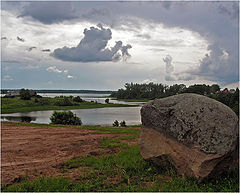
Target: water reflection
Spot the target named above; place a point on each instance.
(25, 119)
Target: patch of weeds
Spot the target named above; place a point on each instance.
(225, 183)
(41, 184)
(128, 137)
(114, 130)
(106, 142)
(100, 132)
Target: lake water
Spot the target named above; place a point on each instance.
(98, 116)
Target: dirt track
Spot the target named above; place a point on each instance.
(35, 151)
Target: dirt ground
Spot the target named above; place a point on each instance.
(35, 151)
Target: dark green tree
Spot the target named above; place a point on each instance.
(25, 94)
(65, 118)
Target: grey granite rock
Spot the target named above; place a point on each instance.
(196, 124)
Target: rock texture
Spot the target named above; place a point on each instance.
(197, 135)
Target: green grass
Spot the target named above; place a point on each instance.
(114, 130)
(106, 142)
(14, 105)
(125, 171)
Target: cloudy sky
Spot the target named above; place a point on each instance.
(103, 45)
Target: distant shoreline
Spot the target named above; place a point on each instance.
(3, 91)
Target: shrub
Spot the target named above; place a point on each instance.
(25, 94)
(65, 118)
(123, 124)
(44, 101)
(77, 99)
(36, 100)
(115, 123)
(63, 102)
(107, 101)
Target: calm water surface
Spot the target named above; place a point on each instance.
(99, 116)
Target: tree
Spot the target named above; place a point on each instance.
(107, 101)
(25, 94)
(214, 88)
(115, 123)
(77, 99)
(65, 118)
(123, 124)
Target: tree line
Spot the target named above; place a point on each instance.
(153, 91)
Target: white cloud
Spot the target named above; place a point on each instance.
(92, 48)
(69, 76)
(53, 69)
(7, 78)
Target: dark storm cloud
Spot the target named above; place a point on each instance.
(231, 10)
(46, 50)
(49, 12)
(96, 12)
(3, 38)
(31, 48)
(92, 48)
(20, 39)
(216, 64)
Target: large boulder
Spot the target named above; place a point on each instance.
(196, 135)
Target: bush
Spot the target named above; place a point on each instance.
(123, 124)
(25, 94)
(63, 102)
(65, 118)
(115, 123)
(77, 99)
(44, 101)
(107, 101)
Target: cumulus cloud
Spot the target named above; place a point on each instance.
(216, 64)
(20, 39)
(171, 75)
(53, 69)
(93, 48)
(58, 71)
(146, 81)
(169, 68)
(49, 12)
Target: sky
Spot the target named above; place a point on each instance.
(103, 45)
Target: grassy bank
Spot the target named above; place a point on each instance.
(122, 171)
(14, 105)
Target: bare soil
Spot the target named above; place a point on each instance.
(34, 150)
